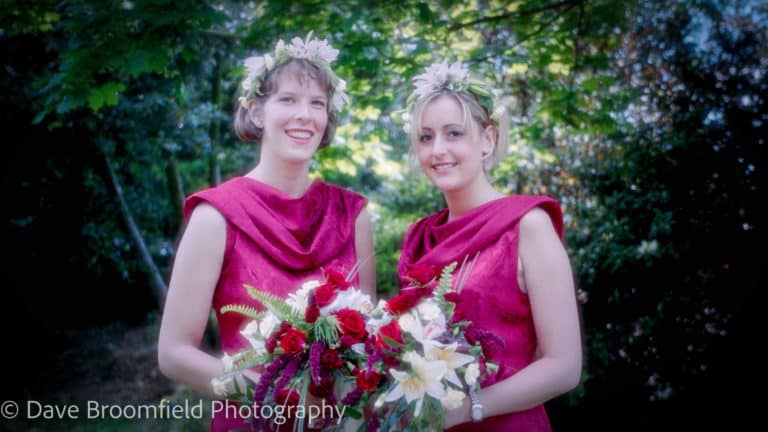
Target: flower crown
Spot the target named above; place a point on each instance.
(454, 77)
(317, 51)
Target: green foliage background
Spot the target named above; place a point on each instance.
(645, 119)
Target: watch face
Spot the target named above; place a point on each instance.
(477, 412)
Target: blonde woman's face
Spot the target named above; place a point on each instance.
(449, 153)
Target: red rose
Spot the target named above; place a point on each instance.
(421, 273)
(293, 341)
(392, 331)
(331, 360)
(368, 380)
(324, 294)
(407, 300)
(336, 279)
(271, 342)
(288, 397)
(351, 323)
(311, 314)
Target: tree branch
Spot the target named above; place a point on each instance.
(516, 14)
(156, 280)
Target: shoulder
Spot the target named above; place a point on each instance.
(207, 216)
(536, 221)
(538, 213)
(222, 196)
(341, 191)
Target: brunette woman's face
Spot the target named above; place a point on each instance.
(294, 119)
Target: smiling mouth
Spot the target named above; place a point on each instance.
(443, 166)
(299, 134)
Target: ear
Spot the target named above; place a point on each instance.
(488, 140)
(255, 116)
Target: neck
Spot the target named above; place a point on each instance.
(463, 200)
(291, 179)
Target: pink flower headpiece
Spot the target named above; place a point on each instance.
(319, 52)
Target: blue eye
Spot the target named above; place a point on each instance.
(456, 133)
(425, 138)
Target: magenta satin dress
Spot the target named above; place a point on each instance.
(491, 297)
(275, 243)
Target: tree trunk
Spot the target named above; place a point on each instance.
(215, 130)
(156, 280)
(175, 189)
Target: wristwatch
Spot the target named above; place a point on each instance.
(476, 410)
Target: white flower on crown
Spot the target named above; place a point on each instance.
(454, 77)
(255, 66)
(315, 50)
(440, 75)
(340, 96)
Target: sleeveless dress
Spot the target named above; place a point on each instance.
(491, 297)
(275, 243)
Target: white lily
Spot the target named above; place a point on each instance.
(472, 374)
(411, 323)
(425, 379)
(435, 351)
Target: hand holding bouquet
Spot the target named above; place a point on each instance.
(301, 345)
(427, 360)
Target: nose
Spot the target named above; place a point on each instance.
(302, 112)
(439, 146)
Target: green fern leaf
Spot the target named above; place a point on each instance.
(243, 310)
(446, 277)
(275, 304)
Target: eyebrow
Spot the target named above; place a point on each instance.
(448, 126)
(293, 93)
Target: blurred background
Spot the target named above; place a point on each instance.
(647, 120)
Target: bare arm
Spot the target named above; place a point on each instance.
(548, 278)
(187, 307)
(364, 251)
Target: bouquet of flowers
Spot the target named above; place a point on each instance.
(404, 360)
(418, 361)
(305, 344)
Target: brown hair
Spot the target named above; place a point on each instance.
(301, 70)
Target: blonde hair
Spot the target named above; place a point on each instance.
(475, 117)
(302, 70)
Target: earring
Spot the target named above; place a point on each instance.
(258, 123)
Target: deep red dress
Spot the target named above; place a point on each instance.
(275, 243)
(491, 297)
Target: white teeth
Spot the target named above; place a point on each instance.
(443, 166)
(299, 134)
